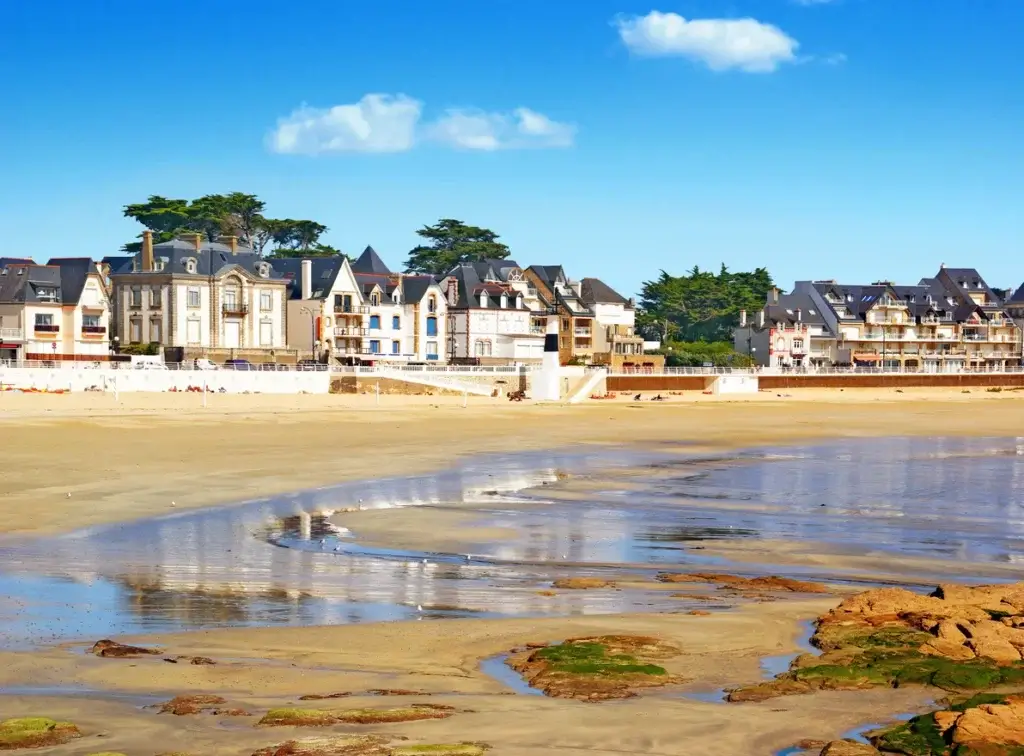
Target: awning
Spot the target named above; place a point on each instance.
(9, 346)
(867, 357)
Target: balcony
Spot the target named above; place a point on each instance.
(11, 334)
(351, 310)
(582, 332)
(94, 330)
(46, 328)
(234, 309)
(351, 332)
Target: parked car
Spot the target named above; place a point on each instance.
(239, 365)
(149, 366)
(205, 364)
(271, 366)
(310, 365)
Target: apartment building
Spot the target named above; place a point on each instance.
(362, 312)
(196, 298)
(58, 313)
(614, 338)
(788, 332)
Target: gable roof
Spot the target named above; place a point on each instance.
(21, 283)
(73, 273)
(370, 262)
(787, 308)
(211, 259)
(595, 291)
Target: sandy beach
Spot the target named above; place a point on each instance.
(74, 461)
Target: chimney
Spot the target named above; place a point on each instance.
(799, 315)
(147, 251)
(743, 318)
(306, 279)
(231, 241)
(197, 240)
(773, 295)
(760, 319)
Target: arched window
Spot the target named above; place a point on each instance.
(432, 304)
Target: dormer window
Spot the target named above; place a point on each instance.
(483, 298)
(159, 264)
(504, 301)
(190, 265)
(519, 301)
(263, 269)
(375, 299)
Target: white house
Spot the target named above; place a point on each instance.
(200, 298)
(58, 312)
(488, 316)
(362, 312)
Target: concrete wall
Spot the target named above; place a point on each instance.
(641, 383)
(105, 379)
(900, 380)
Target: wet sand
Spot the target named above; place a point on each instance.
(76, 460)
(133, 460)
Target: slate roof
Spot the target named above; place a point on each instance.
(323, 271)
(118, 263)
(785, 310)
(960, 282)
(471, 278)
(211, 258)
(66, 276)
(370, 262)
(11, 260)
(414, 288)
(595, 291)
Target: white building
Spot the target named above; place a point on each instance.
(58, 312)
(201, 298)
(362, 312)
(489, 318)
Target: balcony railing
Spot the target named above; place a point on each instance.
(234, 308)
(351, 331)
(13, 334)
(351, 310)
(47, 328)
(582, 332)
(94, 330)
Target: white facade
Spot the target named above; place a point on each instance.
(62, 333)
(499, 334)
(234, 310)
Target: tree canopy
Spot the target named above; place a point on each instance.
(700, 306)
(452, 242)
(234, 214)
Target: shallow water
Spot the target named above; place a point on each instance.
(263, 563)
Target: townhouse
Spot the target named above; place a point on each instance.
(489, 320)
(58, 313)
(789, 331)
(189, 298)
(362, 312)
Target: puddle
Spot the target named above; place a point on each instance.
(773, 666)
(498, 670)
(72, 691)
(716, 696)
(860, 733)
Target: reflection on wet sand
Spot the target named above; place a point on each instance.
(291, 560)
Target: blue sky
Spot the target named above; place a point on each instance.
(851, 139)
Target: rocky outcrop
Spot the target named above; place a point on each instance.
(986, 725)
(112, 649)
(35, 732)
(848, 748)
(582, 583)
(768, 584)
(197, 704)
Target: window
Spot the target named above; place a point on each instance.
(192, 331)
(90, 321)
(431, 326)
(155, 297)
(396, 347)
(46, 294)
(375, 322)
(193, 297)
(483, 348)
(230, 299)
(375, 298)
(266, 301)
(266, 333)
(154, 332)
(798, 344)
(136, 300)
(396, 323)
(346, 303)
(432, 304)
(136, 331)
(337, 303)
(431, 350)
(565, 324)
(44, 320)
(374, 347)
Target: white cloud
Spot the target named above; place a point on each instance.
(815, 2)
(835, 59)
(377, 123)
(720, 43)
(386, 123)
(521, 129)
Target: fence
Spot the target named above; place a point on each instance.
(128, 380)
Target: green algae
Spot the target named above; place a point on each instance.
(592, 658)
(297, 718)
(35, 732)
